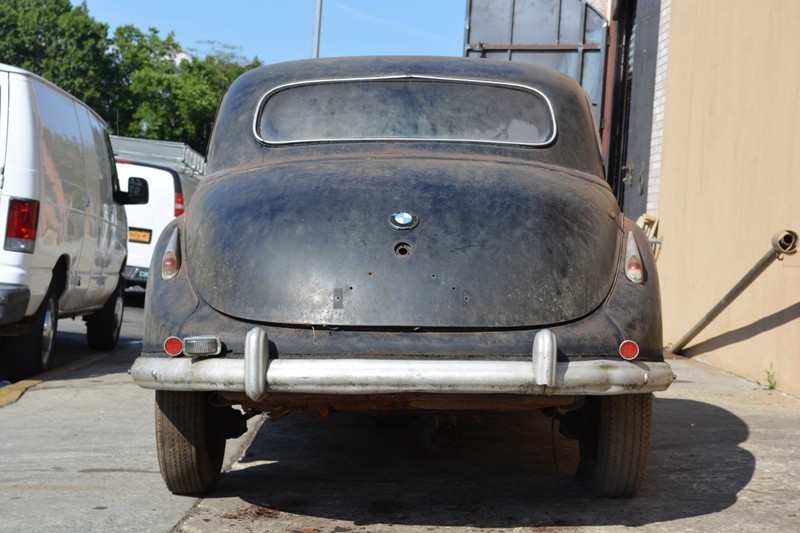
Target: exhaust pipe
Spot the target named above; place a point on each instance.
(783, 243)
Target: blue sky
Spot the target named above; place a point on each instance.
(281, 30)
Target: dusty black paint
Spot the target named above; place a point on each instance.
(510, 239)
(499, 243)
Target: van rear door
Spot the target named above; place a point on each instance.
(147, 221)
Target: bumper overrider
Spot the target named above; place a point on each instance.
(257, 376)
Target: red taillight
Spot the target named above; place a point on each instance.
(634, 270)
(169, 266)
(173, 346)
(628, 350)
(179, 207)
(171, 260)
(23, 219)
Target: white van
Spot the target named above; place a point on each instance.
(61, 216)
(170, 192)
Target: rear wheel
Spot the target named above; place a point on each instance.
(103, 327)
(32, 353)
(615, 444)
(189, 443)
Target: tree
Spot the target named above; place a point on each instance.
(200, 86)
(168, 94)
(62, 44)
(148, 67)
(143, 85)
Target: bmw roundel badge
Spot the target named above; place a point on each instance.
(403, 220)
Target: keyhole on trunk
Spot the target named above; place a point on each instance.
(402, 249)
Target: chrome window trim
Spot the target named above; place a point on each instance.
(262, 102)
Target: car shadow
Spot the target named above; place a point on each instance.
(134, 297)
(72, 347)
(504, 471)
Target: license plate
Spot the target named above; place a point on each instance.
(140, 235)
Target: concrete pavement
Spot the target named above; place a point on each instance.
(77, 453)
(724, 458)
(77, 449)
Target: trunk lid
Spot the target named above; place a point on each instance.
(497, 244)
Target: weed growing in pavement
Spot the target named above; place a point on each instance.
(772, 383)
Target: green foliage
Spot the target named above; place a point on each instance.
(169, 94)
(142, 84)
(62, 44)
(772, 382)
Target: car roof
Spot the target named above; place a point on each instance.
(456, 67)
(240, 104)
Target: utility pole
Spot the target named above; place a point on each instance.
(317, 25)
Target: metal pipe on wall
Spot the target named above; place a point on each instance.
(783, 243)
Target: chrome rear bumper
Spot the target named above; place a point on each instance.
(257, 376)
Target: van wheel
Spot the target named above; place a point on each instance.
(190, 448)
(615, 444)
(32, 353)
(103, 327)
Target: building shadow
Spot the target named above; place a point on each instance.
(504, 471)
(775, 320)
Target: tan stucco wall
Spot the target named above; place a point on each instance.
(730, 178)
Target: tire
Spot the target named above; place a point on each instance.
(190, 449)
(103, 327)
(615, 444)
(32, 354)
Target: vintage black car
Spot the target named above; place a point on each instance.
(414, 235)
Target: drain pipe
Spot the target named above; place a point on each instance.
(783, 243)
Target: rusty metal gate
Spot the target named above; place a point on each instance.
(613, 60)
(568, 35)
(636, 46)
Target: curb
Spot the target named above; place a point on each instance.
(11, 393)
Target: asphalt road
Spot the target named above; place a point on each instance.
(77, 453)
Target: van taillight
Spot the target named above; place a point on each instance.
(23, 219)
(179, 207)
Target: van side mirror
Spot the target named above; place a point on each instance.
(138, 192)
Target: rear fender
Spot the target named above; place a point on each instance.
(168, 302)
(636, 308)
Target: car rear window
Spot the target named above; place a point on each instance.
(405, 108)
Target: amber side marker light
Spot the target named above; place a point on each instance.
(173, 346)
(628, 350)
